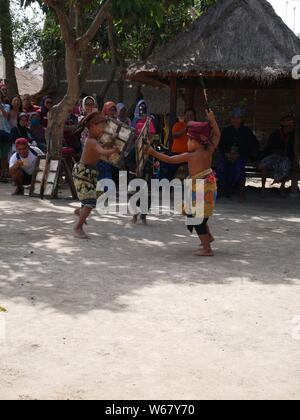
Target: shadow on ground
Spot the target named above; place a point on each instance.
(42, 264)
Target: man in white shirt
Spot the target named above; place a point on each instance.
(22, 164)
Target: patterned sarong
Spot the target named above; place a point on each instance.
(209, 195)
(85, 180)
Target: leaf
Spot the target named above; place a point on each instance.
(2, 309)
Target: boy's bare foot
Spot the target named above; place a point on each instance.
(80, 234)
(134, 219)
(144, 221)
(212, 239)
(77, 213)
(204, 253)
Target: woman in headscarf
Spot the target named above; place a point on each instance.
(88, 107)
(15, 110)
(122, 114)
(141, 109)
(46, 105)
(21, 130)
(110, 110)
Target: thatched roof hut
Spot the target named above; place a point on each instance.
(235, 38)
(237, 44)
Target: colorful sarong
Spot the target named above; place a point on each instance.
(85, 180)
(207, 198)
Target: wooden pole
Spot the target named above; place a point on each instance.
(295, 180)
(191, 94)
(173, 107)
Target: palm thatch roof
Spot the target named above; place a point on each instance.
(237, 38)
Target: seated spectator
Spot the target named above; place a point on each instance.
(15, 110)
(37, 132)
(22, 164)
(46, 105)
(4, 138)
(279, 154)
(28, 107)
(110, 110)
(123, 114)
(21, 130)
(238, 146)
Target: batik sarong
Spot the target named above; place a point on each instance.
(85, 180)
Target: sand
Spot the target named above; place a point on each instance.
(131, 314)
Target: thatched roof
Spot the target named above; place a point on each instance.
(241, 38)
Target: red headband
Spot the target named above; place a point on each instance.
(21, 142)
(200, 131)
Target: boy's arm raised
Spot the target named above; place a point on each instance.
(216, 133)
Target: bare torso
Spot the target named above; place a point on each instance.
(91, 154)
(200, 161)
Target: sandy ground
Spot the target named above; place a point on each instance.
(132, 315)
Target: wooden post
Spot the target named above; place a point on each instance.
(173, 107)
(191, 94)
(297, 142)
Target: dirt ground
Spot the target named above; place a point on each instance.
(131, 314)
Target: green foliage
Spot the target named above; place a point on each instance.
(139, 26)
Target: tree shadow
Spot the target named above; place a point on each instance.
(43, 265)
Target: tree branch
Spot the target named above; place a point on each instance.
(63, 20)
(90, 34)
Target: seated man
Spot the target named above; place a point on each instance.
(22, 164)
(238, 146)
(279, 154)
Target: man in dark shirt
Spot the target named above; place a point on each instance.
(279, 154)
(237, 147)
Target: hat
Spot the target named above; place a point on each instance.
(199, 131)
(21, 142)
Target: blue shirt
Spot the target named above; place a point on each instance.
(4, 123)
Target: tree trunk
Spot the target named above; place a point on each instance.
(59, 113)
(7, 46)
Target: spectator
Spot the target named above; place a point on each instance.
(15, 110)
(110, 110)
(140, 109)
(28, 107)
(21, 130)
(4, 137)
(37, 132)
(4, 91)
(238, 146)
(88, 107)
(22, 164)
(279, 154)
(46, 105)
(123, 114)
